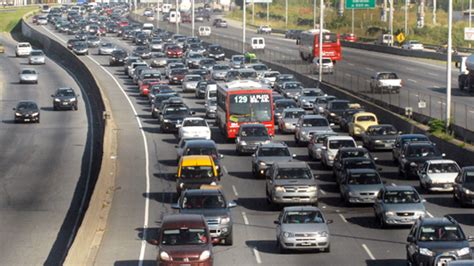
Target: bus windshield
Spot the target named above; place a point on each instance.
(250, 108)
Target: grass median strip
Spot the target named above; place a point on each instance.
(10, 17)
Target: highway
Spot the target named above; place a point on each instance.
(423, 79)
(40, 164)
(145, 188)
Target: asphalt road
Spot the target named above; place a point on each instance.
(40, 163)
(146, 188)
(423, 79)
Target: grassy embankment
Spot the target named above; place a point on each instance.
(11, 16)
(367, 22)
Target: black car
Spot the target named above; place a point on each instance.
(27, 111)
(71, 42)
(350, 163)
(172, 116)
(64, 98)
(158, 99)
(464, 187)
(142, 51)
(349, 152)
(414, 155)
(141, 39)
(250, 136)
(335, 109)
(118, 57)
(280, 105)
(437, 240)
(379, 137)
(216, 52)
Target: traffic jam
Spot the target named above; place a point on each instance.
(292, 136)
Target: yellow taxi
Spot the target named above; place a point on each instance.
(360, 122)
(195, 171)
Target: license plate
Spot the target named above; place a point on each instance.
(65, 103)
(185, 264)
(446, 185)
(305, 244)
(27, 120)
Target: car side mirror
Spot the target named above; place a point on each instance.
(153, 242)
(276, 222)
(423, 200)
(175, 206)
(332, 124)
(329, 221)
(376, 158)
(52, 95)
(410, 239)
(293, 155)
(221, 155)
(444, 154)
(13, 108)
(232, 204)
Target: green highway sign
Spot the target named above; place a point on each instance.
(360, 4)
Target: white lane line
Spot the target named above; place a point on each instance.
(393, 184)
(432, 74)
(322, 192)
(436, 86)
(343, 218)
(348, 75)
(89, 170)
(410, 69)
(429, 214)
(246, 220)
(225, 170)
(235, 191)
(257, 256)
(471, 111)
(351, 64)
(412, 80)
(147, 159)
(368, 251)
(369, 69)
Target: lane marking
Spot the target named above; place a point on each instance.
(368, 251)
(246, 220)
(429, 214)
(369, 69)
(436, 86)
(235, 191)
(89, 170)
(432, 74)
(257, 256)
(412, 80)
(225, 170)
(342, 218)
(351, 64)
(440, 102)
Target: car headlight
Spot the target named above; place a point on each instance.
(73, 100)
(242, 142)
(35, 114)
(389, 213)
(331, 157)
(181, 185)
(288, 235)
(164, 256)
(287, 124)
(57, 100)
(304, 133)
(426, 252)
(287, 93)
(312, 188)
(322, 234)
(166, 121)
(225, 220)
(267, 141)
(413, 164)
(279, 189)
(17, 114)
(378, 141)
(463, 251)
(467, 191)
(332, 114)
(351, 194)
(205, 255)
(262, 163)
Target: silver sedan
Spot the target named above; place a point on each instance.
(28, 75)
(37, 57)
(106, 48)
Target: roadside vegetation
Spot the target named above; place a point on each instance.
(11, 16)
(367, 23)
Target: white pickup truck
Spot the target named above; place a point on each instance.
(387, 82)
(23, 49)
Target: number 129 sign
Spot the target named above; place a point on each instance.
(260, 98)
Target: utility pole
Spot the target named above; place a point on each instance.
(192, 17)
(157, 15)
(268, 12)
(448, 65)
(421, 15)
(340, 10)
(314, 14)
(434, 11)
(244, 22)
(352, 26)
(406, 17)
(391, 19)
(178, 15)
(384, 11)
(253, 12)
(286, 14)
(320, 44)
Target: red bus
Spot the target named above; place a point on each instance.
(242, 102)
(308, 45)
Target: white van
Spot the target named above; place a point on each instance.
(175, 17)
(257, 43)
(204, 31)
(166, 8)
(211, 93)
(147, 28)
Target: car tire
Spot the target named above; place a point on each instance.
(229, 240)
(75, 107)
(281, 249)
(38, 121)
(328, 249)
(382, 223)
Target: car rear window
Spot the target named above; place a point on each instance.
(184, 236)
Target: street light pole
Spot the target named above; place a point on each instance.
(470, 12)
(244, 22)
(352, 27)
(177, 17)
(253, 12)
(192, 17)
(286, 14)
(157, 15)
(320, 44)
(391, 19)
(448, 66)
(268, 12)
(406, 17)
(314, 14)
(434, 12)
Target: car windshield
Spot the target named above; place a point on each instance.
(215, 49)
(294, 173)
(292, 86)
(176, 111)
(421, 151)
(337, 144)
(285, 78)
(438, 168)
(359, 164)
(366, 118)
(238, 59)
(207, 62)
(271, 74)
(36, 53)
(179, 71)
(193, 78)
(248, 74)
(26, 106)
(303, 217)
(340, 105)
(260, 67)
(62, 93)
(382, 130)
(356, 153)
(469, 177)
(220, 67)
(363, 179)
(203, 202)
(284, 104)
(294, 114)
(194, 123)
(184, 236)
(196, 172)
(311, 93)
(401, 197)
(212, 151)
(388, 76)
(273, 152)
(250, 108)
(440, 233)
(28, 71)
(413, 139)
(107, 44)
(315, 122)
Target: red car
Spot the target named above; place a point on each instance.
(122, 23)
(144, 86)
(174, 51)
(177, 75)
(349, 37)
(184, 240)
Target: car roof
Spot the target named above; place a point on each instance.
(440, 161)
(203, 192)
(273, 145)
(172, 221)
(420, 143)
(339, 137)
(412, 136)
(301, 208)
(361, 170)
(436, 221)
(293, 110)
(313, 117)
(364, 114)
(349, 149)
(196, 160)
(399, 188)
(200, 143)
(291, 164)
